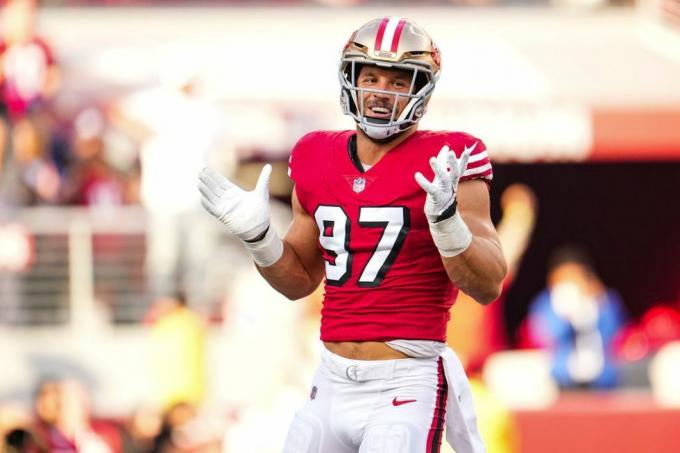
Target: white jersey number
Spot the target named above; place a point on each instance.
(334, 236)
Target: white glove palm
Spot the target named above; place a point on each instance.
(245, 214)
(441, 191)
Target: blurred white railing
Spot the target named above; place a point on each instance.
(81, 263)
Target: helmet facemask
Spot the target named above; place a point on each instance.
(353, 98)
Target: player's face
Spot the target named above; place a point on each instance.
(381, 105)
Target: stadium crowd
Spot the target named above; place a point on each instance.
(45, 158)
(60, 419)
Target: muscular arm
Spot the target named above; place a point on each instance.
(480, 269)
(300, 269)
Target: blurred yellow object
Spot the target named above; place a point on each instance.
(177, 353)
(494, 420)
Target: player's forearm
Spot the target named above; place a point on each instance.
(479, 270)
(288, 275)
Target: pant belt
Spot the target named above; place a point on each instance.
(366, 370)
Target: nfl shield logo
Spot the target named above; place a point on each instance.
(359, 185)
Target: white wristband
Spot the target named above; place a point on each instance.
(266, 251)
(451, 236)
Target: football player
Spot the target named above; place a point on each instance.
(395, 221)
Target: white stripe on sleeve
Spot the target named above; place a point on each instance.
(477, 157)
(476, 171)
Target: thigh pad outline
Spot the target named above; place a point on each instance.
(305, 434)
(387, 438)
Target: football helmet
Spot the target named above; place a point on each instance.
(389, 42)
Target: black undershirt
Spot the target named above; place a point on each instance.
(354, 153)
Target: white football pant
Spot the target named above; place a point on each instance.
(379, 406)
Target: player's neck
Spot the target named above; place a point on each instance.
(370, 152)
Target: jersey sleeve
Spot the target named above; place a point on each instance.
(479, 165)
(297, 161)
(301, 168)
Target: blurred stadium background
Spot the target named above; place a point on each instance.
(103, 132)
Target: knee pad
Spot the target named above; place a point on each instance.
(304, 435)
(394, 438)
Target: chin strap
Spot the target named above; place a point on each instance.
(379, 132)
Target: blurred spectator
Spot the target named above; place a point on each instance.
(29, 77)
(577, 318)
(141, 430)
(90, 180)
(46, 406)
(16, 434)
(29, 177)
(29, 72)
(177, 352)
(174, 418)
(21, 440)
(179, 132)
(64, 423)
(183, 430)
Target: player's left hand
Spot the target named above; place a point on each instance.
(440, 203)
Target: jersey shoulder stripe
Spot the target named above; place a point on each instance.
(479, 164)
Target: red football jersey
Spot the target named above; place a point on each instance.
(384, 276)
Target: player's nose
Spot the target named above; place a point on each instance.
(383, 83)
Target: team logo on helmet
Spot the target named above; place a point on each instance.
(436, 55)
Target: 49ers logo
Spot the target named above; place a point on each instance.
(386, 54)
(436, 55)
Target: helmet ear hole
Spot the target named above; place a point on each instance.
(347, 103)
(353, 107)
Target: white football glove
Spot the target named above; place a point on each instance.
(441, 192)
(245, 214)
(449, 232)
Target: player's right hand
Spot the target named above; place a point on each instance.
(245, 214)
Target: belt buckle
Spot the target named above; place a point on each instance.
(352, 373)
